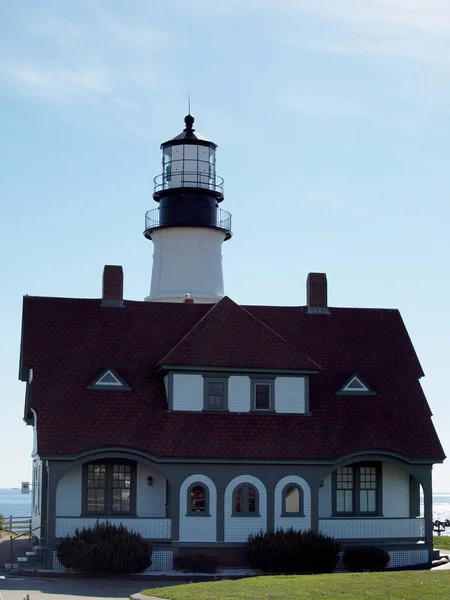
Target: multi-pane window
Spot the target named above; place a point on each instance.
(121, 484)
(245, 501)
(368, 489)
(109, 488)
(96, 488)
(357, 490)
(215, 393)
(197, 500)
(344, 490)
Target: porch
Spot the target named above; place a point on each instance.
(373, 528)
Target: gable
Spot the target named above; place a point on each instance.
(356, 386)
(230, 337)
(109, 379)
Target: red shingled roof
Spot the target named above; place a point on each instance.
(230, 336)
(68, 342)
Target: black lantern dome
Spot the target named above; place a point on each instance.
(188, 190)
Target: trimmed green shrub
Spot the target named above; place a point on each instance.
(291, 551)
(196, 563)
(368, 558)
(105, 548)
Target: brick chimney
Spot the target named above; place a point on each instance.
(112, 286)
(316, 293)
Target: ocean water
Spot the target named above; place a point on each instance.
(13, 502)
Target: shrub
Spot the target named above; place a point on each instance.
(292, 551)
(368, 558)
(2, 523)
(196, 563)
(105, 548)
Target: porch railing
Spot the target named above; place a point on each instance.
(373, 528)
(155, 529)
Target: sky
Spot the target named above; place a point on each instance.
(332, 119)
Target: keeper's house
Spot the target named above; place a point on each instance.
(196, 421)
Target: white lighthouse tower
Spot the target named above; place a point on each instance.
(188, 227)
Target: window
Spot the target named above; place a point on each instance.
(357, 490)
(215, 393)
(198, 500)
(262, 395)
(245, 501)
(109, 488)
(292, 500)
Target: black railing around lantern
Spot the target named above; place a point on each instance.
(188, 216)
(173, 179)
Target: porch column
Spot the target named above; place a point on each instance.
(55, 470)
(427, 486)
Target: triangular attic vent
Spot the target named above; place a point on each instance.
(356, 386)
(109, 380)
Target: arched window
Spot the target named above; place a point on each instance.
(292, 500)
(198, 500)
(245, 501)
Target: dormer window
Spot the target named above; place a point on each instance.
(262, 395)
(109, 379)
(356, 386)
(215, 391)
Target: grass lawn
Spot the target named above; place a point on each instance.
(400, 585)
(442, 542)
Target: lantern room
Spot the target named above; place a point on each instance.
(188, 161)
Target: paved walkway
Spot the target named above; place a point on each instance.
(77, 589)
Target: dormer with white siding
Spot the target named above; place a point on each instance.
(231, 361)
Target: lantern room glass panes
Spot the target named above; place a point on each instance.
(96, 488)
(189, 165)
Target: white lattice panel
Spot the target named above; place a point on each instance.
(162, 560)
(407, 558)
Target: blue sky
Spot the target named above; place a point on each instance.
(332, 119)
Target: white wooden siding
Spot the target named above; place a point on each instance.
(292, 521)
(36, 497)
(150, 500)
(290, 394)
(159, 529)
(395, 491)
(187, 392)
(237, 529)
(325, 506)
(239, 394)
(195, 528)
(35, 446)
(68, 494)
(351, 528)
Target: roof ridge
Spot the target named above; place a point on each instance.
(275, 332)
(248, 314)
(190, 330)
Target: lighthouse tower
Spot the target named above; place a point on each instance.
(188, 227)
